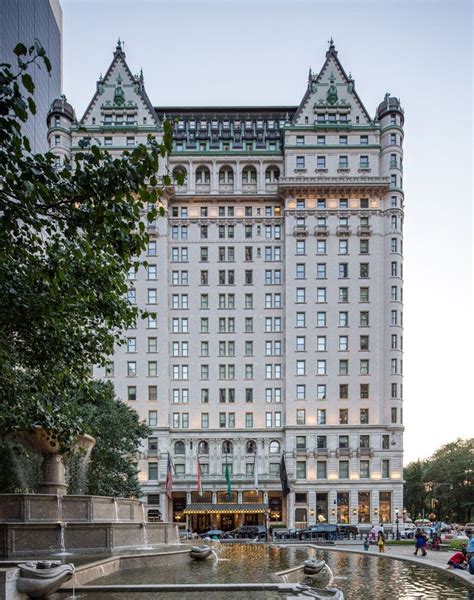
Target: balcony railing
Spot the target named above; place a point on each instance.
(300, 230)
(364, 230)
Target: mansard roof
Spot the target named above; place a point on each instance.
(119, 63)
(337, 77)
(229, 112)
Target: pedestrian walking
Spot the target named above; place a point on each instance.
(420, 542)
(366, 543)
(373, 534)
(381, 542)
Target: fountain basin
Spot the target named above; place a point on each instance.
(41, 539)
(49, 508)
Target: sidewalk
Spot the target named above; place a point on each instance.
(436, 560)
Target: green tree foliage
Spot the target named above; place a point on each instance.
(118, 432)
(67, 240)
(443, 484)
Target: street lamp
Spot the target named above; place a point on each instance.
(396, 522)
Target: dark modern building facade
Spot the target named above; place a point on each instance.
(24, 21)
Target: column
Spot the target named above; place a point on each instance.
(332, 506)
(238, 178)
(353, 506)
(374, 509)
(261, 178)
(214, 179)
(311, 507)
(291, 509)
(191, 179)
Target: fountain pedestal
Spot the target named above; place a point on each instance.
(53, 475)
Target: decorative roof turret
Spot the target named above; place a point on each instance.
(62, 106)
(389, 104)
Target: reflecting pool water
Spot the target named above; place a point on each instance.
(359, 576)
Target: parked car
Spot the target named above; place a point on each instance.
(290, 533)
(215, 534)
(321, 531)
(250, 532)
(347, 531)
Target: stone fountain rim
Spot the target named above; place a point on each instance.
(38, 439)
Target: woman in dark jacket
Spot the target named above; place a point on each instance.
(420, 542)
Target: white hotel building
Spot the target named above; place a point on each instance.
(276, 277)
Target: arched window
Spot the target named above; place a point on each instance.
(179, 448)
(203, 447)
(272, 174)
(249, 175)
(227, 447)
(180, 171)
(203, 175)
(226, 175)
(274, 447)
(250, 447)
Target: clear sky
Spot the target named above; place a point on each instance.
(258, 53)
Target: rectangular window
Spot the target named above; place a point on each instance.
(321, 416)
(321, 391)
(364, 469)
(321, 469)
(300, 469)
(300, 162)
(152, 471)
(343, 247)
(364, 367)
(301, 416)
(385, 468)
(364, 416)
(343, 416)
(343, 469)
(152, 418)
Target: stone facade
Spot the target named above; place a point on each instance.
(277, 279)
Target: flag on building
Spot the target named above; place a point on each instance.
(227, 478)
(255, 471)
(169, 478)
(199, 484)
(285, 487)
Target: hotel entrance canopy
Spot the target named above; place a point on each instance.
(219, 509)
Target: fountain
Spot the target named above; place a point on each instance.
(52, 522)
(40, 579)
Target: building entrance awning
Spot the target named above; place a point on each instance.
(223, 509)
